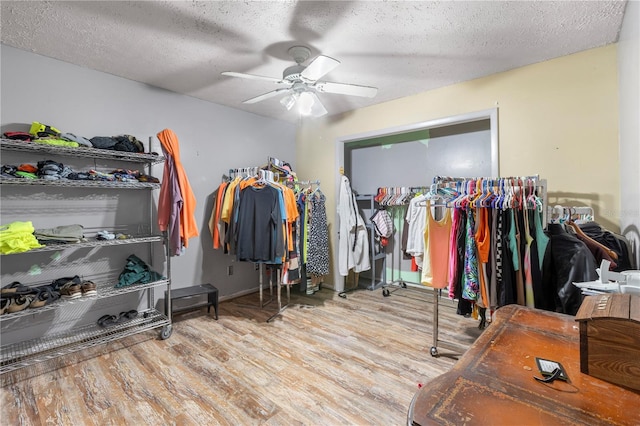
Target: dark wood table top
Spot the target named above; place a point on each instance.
(493, 384)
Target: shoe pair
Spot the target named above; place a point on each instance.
(313, 289)
(16, 297)
(111, 320)
(73, 288)
(39, 297)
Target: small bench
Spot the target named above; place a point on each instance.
(196, 290)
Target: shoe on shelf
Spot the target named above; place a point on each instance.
(57, 284)
(16, 288)
(21, 302)
(5, 302)
(127, 316)
(69, 288)
(71, 292)
(107, 320)
(45, 295)
(88, 288)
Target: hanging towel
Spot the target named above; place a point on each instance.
(176, 204)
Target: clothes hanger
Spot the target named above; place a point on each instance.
(462, 193)
(574, 226)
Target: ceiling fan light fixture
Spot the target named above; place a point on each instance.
(305, 103)
(288, 101)
(302, 83)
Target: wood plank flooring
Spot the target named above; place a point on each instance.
(336, 361)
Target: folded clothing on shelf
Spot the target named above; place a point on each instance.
(136, 271)
(62, 234)
(17, 237)
(79, 139)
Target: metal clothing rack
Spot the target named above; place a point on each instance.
(443, 188)
(277, 268)
(376, 255)
(267, 172)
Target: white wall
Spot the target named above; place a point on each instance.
(212, 138)
(629, 93)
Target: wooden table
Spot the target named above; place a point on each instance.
(493, 384)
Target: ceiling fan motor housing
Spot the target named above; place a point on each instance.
(292, 73)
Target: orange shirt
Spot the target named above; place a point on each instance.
(439, 236)
(215, 216)
(188, 225)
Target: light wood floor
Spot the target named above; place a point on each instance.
(355, 361)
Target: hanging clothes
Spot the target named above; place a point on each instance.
(318, 239)
(527, 263)
(216, 226)
(619, 244)
(470, 279)
(416, 218)
(568, 260)
(353, 241)
(438, 240)
(495, 260)
(453, 250)
(483, 244)
(259, 231)
(176, 202)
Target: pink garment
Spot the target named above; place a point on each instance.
(453, 252)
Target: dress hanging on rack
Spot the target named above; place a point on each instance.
(318, 241)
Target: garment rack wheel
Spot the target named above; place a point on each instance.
(434, 352)
(166, 332)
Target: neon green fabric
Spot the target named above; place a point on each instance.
(58, 142)
(17, 237)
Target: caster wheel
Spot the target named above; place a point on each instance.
(166, 332)
(434, 351)
(385, 292)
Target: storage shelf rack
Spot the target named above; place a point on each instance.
(24, 354)
(81, 151)
(21, 354)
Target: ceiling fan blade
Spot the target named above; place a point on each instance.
(264, 96)
(346, 89)
(319, 67)
(254, 77)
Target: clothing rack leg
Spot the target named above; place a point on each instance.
(260, 280)
(278, 292)
(399, 283)
(260, 288)
(434, 348)
(288, 304)
(437, 293)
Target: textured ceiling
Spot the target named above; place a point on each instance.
(402, 48)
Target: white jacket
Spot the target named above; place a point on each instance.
(353, 242)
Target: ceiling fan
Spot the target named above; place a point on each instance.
(301, 83)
